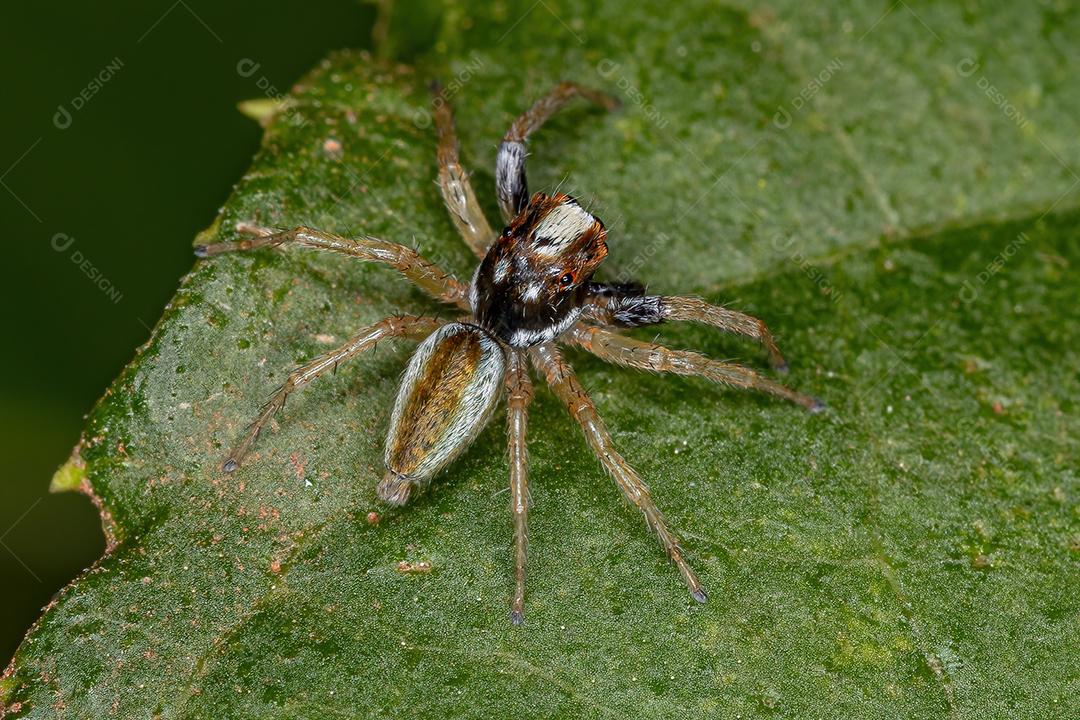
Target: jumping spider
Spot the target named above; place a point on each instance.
(532, 290)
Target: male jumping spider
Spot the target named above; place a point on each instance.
(533, 290)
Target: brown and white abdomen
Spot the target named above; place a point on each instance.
(449, 389)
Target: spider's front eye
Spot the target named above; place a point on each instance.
(567, 280)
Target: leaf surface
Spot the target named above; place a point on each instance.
(912, 553)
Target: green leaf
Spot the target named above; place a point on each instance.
(912, 553)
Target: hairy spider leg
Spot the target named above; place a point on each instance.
(421, 272)
(519, 394)
(454, 183)
(609, 306)
(628, 352)
(564, 383)
(411, 326)
(511, 185)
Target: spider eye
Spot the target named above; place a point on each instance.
(567, 280)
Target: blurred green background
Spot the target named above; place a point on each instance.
(119, 181)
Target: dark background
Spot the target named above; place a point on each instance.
(141, 167)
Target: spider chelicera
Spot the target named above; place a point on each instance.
(532, 290)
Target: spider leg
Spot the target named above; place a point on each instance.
(629, 306)
(560, 376)
(457, 192)
(421, 272)
(398, 326)
(511, 185)
(622, 350)
(519, 394)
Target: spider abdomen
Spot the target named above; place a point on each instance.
(447, 393)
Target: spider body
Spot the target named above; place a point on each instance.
(533, 281)
(532, 290)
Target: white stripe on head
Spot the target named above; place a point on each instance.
(532, 292)
(561, 226)
(523, 337)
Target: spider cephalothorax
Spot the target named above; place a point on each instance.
(532, 290)
(534, 279)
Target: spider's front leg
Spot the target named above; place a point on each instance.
(562, 380)
(454, 183)
(627, 305)
(519, 394)
(400, 326)
(511, 185)
(421, 272)
(628, 352)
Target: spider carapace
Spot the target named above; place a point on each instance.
(532, 291)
